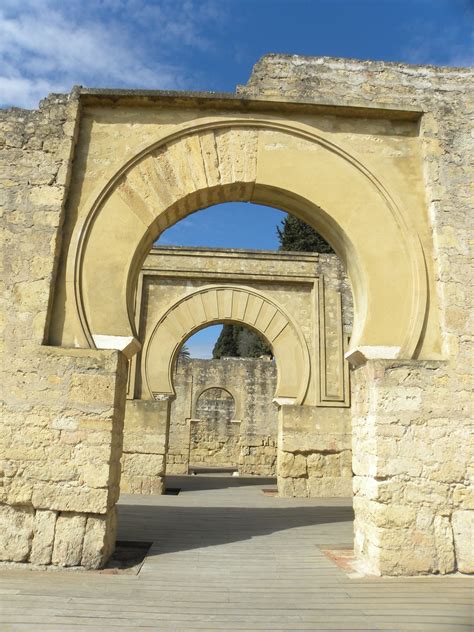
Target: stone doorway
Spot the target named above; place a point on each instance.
(374, 157)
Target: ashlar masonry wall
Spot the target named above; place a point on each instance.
(61, 409)
(412, 420)
(407, 128)
(312, 444)
(252, 429)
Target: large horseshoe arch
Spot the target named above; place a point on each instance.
(283, 165)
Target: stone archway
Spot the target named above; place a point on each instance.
(287, 164)
(293, 298)
(235, 304)
(383, 181)
(284, 165)
(237, 404)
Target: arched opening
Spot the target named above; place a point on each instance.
(291, 310)
(223, 419)
(288, 166)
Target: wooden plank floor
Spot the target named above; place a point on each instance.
(227, 557)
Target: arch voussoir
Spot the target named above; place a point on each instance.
(221, 304)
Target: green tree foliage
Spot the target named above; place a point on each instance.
(226, 345)
(236, 341)
(295, 235)
(184, 353)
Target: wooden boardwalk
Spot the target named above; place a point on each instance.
(226, 557)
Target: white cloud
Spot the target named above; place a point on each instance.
(427, 43)
(50, 45)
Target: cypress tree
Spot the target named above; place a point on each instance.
(226, 345)
(295, 235)
(237, 341)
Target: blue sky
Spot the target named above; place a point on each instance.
(50, 45)
(227, 226)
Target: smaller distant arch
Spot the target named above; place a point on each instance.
(228, 304)
(215, 402)
(237, 400)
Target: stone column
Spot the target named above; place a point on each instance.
(145, 444)
(412, 500)
(60, 454)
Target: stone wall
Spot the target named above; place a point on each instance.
(314, 456)
(214, 433)
(310, 291)
(214, 443)
(145, 440)
(414, 506)
(61, 410)
(412, 461)
(308, 448)
(251, 432)
(413, 489)
(61, 467)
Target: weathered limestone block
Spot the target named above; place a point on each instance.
(286, 487)
(17, 491)
(97, 476)
(145, 443)
(329, 487)
(70, 498)
(463, 497)
(463, 531)
(68, 539)
(314, 447)
(144, 464)
(333, 464)
(314, 429)
(315, 464)
(387, 516)
(16, 532)
(142, 484)
(99, 539)
(443, 532)
(402, 461)
(300, 488)
(176, 467)
(43, 538)
(293, 465)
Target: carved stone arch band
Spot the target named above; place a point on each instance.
(236, 304)
(288, 166)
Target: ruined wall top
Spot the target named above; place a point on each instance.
(330, 81)
(354, 82)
